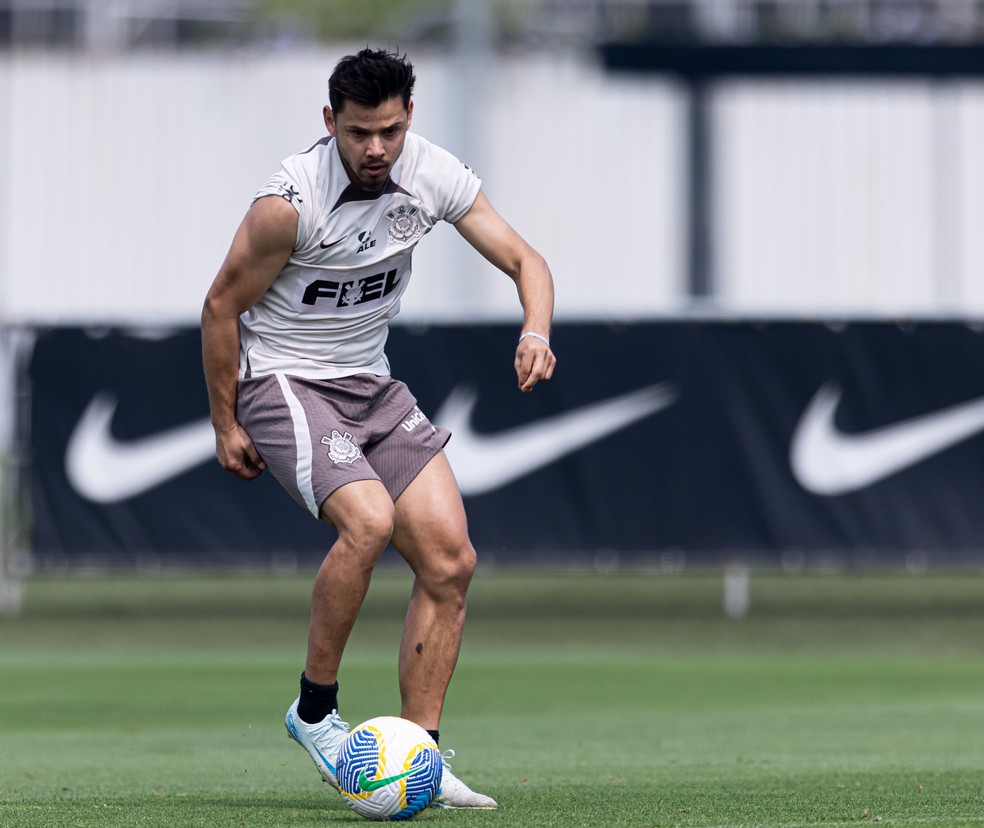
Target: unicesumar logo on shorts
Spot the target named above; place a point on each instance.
(341, 449)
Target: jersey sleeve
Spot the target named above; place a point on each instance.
(281, 184)
(294, 187)
(453, 186)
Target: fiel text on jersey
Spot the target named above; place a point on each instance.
(353, 292)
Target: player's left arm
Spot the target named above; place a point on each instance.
(485, 230)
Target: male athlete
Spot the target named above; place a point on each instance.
(293, 330)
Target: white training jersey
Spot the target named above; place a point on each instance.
(326, 315)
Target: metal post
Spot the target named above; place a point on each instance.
(472, 39)
(700, 175)
(737, 594)
(11, 593)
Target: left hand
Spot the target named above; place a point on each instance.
(534, 362)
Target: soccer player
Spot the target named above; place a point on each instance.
(293, 329)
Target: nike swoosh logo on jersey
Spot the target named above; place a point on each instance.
(106, 470)
(332, 244)
(826, 461)
(484, 462)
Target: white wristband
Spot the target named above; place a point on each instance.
(541, 337)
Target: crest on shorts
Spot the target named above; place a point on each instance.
(341, 449)
(403, 223)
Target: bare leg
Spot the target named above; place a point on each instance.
(362, 512)
(431, 533)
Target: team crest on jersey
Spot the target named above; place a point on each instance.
(352, 293)
(341, 449)
(403, 224)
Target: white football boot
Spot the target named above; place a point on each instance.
(321, 740)
(456, 794)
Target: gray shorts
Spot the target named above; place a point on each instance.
(317, 435)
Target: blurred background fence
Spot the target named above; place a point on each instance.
(808, 171)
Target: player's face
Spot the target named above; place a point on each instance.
(370, 139)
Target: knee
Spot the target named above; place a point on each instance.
(376, 528)
(451, 570)
(367, 531)
(465, 563)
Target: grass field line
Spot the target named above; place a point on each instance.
(578, 701)
(874, 819)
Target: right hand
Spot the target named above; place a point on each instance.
(236, 453)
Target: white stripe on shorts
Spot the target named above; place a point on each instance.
(302, 438)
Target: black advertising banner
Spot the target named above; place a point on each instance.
(695, 442)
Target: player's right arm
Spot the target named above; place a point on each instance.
(260, 249)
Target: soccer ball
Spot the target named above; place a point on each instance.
(389, 768)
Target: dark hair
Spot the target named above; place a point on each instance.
(369, 78)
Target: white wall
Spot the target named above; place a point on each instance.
(125, 176)
(849, 197)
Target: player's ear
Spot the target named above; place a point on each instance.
(329, 121)
(409, 113)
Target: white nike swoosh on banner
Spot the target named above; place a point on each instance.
(106, 470)
(828, 462)
(485, 462)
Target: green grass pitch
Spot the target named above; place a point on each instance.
(580, 699)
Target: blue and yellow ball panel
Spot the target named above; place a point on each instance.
(389, 769)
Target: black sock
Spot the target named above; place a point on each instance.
(435, 735)
(317, 701)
